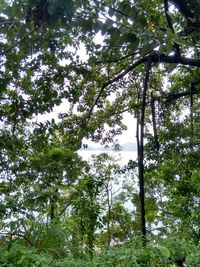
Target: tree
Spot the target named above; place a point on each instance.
(147, 64)
(93, 203)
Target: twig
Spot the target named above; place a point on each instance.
(18, 42)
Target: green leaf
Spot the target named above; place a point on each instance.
(164, 251)
(147, 48)
(132, 39)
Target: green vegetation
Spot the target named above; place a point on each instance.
(173, 252)
(99, 60)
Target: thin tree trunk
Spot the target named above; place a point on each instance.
(140, 141)
(109, 217)
(53, 205)
(191, 118)
(153, 110)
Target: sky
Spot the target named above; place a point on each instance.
(128, 135)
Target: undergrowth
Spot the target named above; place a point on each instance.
(165, 253)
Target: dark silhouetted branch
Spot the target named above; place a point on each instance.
(154, 58)
(169, 22)
(153, 111)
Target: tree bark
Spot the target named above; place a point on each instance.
(140, 141)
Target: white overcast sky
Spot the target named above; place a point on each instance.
(127, 136)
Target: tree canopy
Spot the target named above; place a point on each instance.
(98, 60)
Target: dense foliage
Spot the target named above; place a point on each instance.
(168, 254)
(97, 60)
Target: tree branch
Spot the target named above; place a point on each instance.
(112, 8)
(175, 96)
(169, 22)
(154, 58)
(18, 42)
(116, 60)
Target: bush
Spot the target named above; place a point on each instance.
(165, 253)
(19, 255)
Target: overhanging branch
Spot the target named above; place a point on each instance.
(154, 58)
(164, 99)
(176, 96)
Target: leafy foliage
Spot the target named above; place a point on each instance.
(131, 254)
(96, 60)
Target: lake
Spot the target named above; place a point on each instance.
(123, 156)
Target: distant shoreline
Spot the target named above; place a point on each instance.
(123, 147)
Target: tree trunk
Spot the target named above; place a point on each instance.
(140, 144)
